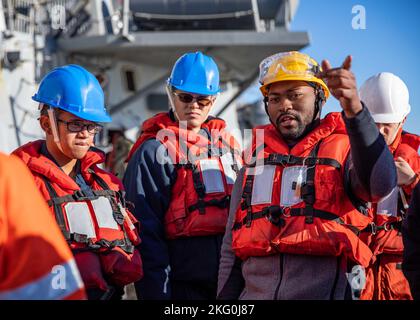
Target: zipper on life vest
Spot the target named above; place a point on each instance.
(281, 277)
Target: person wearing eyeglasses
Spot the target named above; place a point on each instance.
(87, 202)
(300, 201)
(180, 175)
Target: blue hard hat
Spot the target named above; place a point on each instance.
(73, 89)
(195, 73)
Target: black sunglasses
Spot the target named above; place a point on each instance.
(78, 126)
(203, 101)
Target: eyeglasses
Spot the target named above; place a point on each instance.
(78, 126)
(203, 101)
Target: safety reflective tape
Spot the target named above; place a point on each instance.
(62, 281)
(104, 213)
(262, 188)
(79, 219)
(212, 176)
(227, 162)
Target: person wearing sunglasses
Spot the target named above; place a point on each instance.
(301, 200)
(180, 175)
(87, 202)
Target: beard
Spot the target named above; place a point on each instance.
(294, 132)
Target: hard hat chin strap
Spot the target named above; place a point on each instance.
(398, 130)
(171, 101)
(266, 110)
(319, 99)
(54, 127)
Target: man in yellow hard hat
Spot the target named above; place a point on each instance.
(299, 204)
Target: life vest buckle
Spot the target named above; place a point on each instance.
(274, 157)
(286, 211)
(374, 228)
(277, 221)
(285, 160)
(273, 214)
(387, 226)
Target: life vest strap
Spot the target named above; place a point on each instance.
(291, 160)
(201, 204)
(99, 245)
(274, 215)
(79, 195)
(234, 152)
(308, 188)
(247, 199)
(388, 226)
(58, 210)
(119, 196)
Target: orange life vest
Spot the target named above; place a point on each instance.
(294, 201)
(206, 171)
(33, 253)
(384, 236)
(98, 227)
(410, 139)
(385, 279)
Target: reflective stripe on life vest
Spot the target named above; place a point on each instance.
(63, 281)
(294, 200)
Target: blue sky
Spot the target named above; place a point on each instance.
(390, 42)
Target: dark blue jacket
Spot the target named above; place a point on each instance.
(148, 181)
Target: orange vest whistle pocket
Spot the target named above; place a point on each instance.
(291, 183)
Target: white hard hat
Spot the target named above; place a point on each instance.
(386, 96)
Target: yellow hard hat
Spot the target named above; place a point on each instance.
(286, 66)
